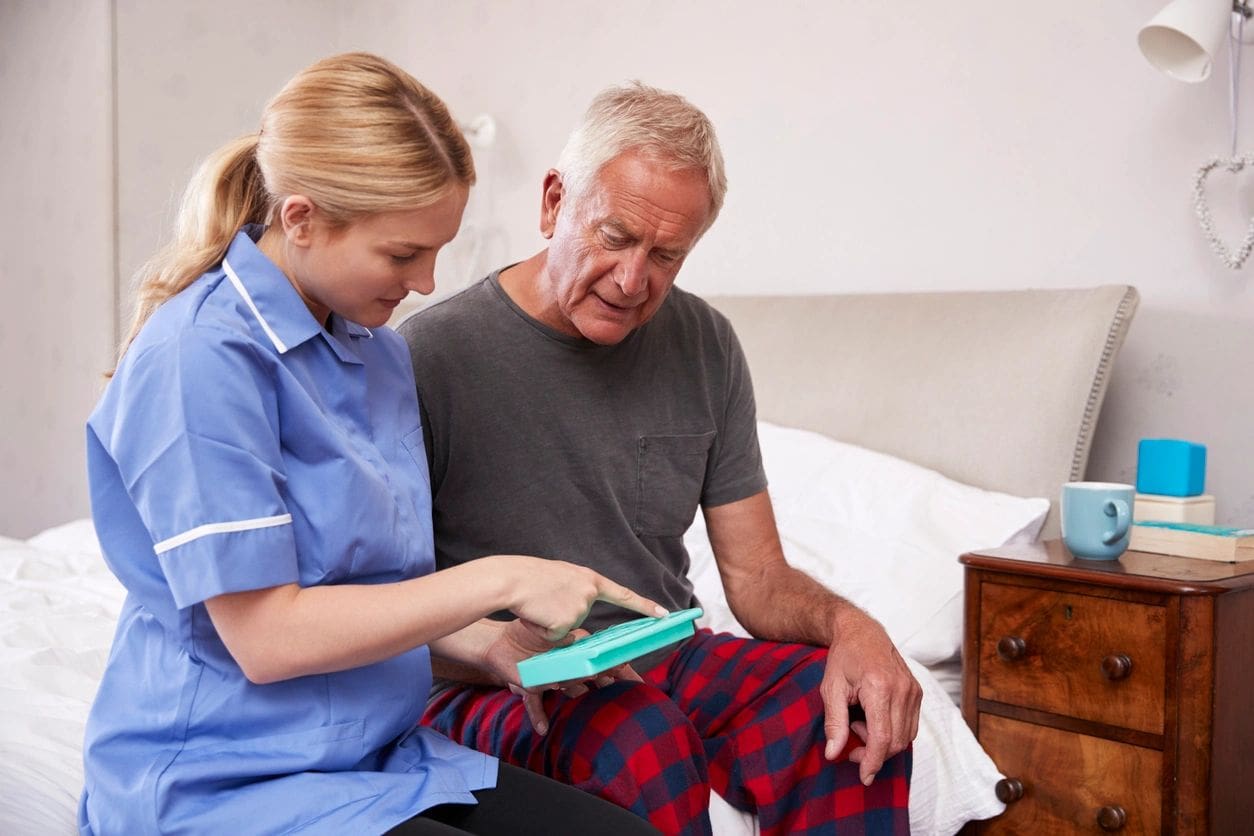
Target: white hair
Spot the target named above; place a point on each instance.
(664, 127)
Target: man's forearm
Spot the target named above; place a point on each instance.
(785, 604)
(462, 673)
(770, 598)
(462, 656)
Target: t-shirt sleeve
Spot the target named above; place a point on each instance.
(425, 382)
(735, 470)
(196, 444)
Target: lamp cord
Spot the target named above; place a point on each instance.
(1235, 40)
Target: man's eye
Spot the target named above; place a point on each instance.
(404, 259)
(615, 241)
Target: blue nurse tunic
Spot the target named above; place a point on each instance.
(239, 446)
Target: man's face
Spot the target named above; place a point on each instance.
(616, 248)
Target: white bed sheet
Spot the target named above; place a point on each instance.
(58, 609)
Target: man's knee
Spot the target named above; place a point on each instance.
(626, 714)
(630, 743)
(627, 730)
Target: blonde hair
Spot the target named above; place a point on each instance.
(354, 133)
(664, 127)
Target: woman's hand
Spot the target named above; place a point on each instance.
(555, 596)
(518, 640)
(288, 631)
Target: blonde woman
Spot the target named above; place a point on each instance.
(259, 485)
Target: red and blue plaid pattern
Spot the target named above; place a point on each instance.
(741, 716)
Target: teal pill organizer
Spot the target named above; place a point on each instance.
(612, 646)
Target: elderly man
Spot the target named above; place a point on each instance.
(580, 407)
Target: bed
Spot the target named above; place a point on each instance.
(898, 431)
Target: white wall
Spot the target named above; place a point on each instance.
(56, 251)
(877, 146)
(192, 76)
(871, 146)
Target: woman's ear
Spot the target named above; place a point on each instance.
(296, 216)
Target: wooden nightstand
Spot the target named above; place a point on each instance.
(1115, 696)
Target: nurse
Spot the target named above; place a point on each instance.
(259, 485)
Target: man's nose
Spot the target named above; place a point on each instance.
(633, 277)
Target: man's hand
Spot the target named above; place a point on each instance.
(519, 640)
(775, 601)
(863, 667)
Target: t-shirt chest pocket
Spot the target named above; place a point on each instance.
(670, 476)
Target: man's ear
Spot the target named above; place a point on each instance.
(297, 215)
(551, 202)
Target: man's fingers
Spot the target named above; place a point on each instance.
(858, 753)
(536, 630)
(902, 734)
(878, 738)
(551, 636)
(916, 705)
(622, 596)
(534, 704)
(907, 697)
(624, 671)
(573, 636)
(835, 721)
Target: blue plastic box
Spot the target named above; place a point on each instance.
(605, 649)
(1170, 467)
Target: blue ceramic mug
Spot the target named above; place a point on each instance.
(1097, 518)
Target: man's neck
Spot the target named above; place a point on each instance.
(525, 284)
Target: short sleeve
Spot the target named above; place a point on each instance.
(735, 470)
(195, 439)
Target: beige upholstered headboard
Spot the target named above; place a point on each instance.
(999, 389)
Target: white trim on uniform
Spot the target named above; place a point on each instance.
(265, 326)
(220, 528)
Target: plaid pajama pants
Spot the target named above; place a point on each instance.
(739, 716)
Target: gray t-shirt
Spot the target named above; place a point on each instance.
(550, 445)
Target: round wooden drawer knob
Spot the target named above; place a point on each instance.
(1011, 648)
(1116, 666)
(1008, 790)
(1111, 818)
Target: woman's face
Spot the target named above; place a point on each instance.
(363, 270)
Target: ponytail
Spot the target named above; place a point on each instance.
(224, 194)
(354, 133)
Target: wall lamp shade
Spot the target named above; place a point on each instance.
(1183, 38)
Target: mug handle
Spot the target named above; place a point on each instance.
(1118, 509)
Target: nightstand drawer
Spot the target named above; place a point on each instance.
(1071, 783)
(1083, 656)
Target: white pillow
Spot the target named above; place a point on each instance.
(882, 532)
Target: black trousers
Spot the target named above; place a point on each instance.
(526, 804)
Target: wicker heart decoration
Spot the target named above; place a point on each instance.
(1200, 206)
